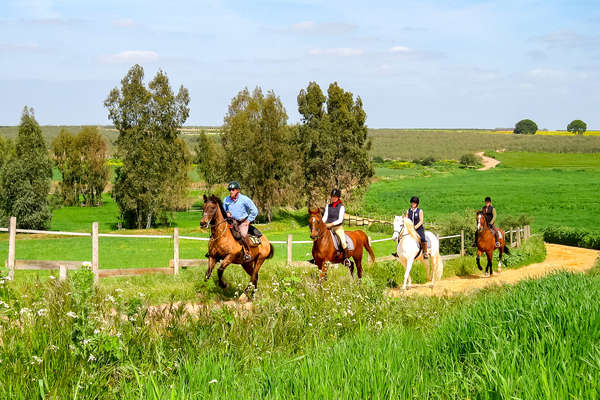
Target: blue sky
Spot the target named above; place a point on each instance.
(430, 64)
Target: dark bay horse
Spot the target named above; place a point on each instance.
(224, 248)
(486, 243)
(324, 251)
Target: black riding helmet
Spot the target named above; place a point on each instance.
(488, 198)
(336, 193)
(414, 199)
(233, 185)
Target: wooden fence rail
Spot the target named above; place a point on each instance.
(12, 263)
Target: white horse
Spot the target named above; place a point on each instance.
(408, 249)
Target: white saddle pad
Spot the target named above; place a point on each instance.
(338, 245)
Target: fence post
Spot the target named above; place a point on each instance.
(176, 251)
(62, 272)
(95, 251)
(511, 237)
(290, 245)
(12, 238)
(462, 242)
(519, 237)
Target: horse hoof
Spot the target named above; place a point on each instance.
(481, 269)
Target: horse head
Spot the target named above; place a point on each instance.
(398, 227)
(315, 221)
(481, 222)
(210, 210)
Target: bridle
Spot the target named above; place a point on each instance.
(210, 225)
(314, 222)
(401, 233)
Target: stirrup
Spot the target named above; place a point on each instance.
(497, 244)
(347, 262)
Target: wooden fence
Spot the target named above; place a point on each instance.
(12, 263)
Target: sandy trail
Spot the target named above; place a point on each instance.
(488, 162)
(558, 257)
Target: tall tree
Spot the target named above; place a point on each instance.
(25, 177)
(526, 127)
(154, 175)
(67, 159)
(94, 171)
(333, 140)
(210, 160)
(577, 126)
(256, 140)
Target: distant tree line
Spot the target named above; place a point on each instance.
(528, 127)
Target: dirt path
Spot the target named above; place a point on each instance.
(558, 257)
(488, 162)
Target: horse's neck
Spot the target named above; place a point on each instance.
(219, 225)
(325, 240)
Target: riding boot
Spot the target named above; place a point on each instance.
(424, 245)
(346, 257)
(246, 257)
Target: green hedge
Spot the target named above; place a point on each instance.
(572, 236)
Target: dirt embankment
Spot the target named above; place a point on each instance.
(488, 162)
(558, 257)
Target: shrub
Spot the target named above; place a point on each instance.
(426, 162)
(526, 127)
(572, 237)
(470, 160)
(577, 126)
(383, 228)
(378, 160)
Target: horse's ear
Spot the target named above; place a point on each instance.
(204, 197)
(313, 210)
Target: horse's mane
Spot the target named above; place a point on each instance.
(410, 228)
(217, 200)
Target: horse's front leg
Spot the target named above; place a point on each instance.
(409, 264)
(323, 274)
(478, 262)
(224, 264)
(211, 264)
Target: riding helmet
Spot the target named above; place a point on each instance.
(233, 185)
(414, 199)
(488, 198)
(336, 193)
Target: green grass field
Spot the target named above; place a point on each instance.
(548, 160)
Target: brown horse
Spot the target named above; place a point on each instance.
(224, 248)
(486, 243)
(324, 251)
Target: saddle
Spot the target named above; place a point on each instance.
(336, 242)
(253, 233)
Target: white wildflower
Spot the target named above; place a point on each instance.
(310, 324)
(379, 324)
(141, 294)
(339, 324)
(52, 347)
(96, 331)
(118, 334)
(213, 381)
(41, 312)
(91, 358)
(71, 314)
(24, 310)
(109, 298)
(52, 277)
(119, 290)
(86, 264)
(86, 341)
(36, 359)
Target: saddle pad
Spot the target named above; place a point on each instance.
(337, 244)
(254, 240)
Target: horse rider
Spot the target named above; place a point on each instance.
(243, 211)
(334, 220)
(489, 213)
(415, 214)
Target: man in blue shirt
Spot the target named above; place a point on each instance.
(243, 211)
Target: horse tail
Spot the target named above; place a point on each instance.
(369, 249)
(506, 251)
(271, 251)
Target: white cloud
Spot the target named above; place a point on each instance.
(337, 51)
(547, 73)
(124, 23)
(131, 56)
(317, 28)
(400, 49)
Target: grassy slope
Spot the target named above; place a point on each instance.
(414, 144)
(552, 196)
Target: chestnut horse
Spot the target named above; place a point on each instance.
(224, 248)
(324, 252)
(486, 243)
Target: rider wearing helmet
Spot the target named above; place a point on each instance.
(489, 213)
(243, 211)
(415, 214)
(334, 219)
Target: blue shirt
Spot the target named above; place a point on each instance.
(240, 208)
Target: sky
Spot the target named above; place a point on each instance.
(415, 64)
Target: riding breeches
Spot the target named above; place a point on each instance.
(421, 232)
(339, 231)
(243, 227)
